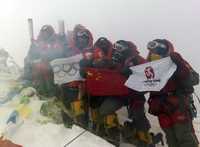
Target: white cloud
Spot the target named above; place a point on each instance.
(135, 20)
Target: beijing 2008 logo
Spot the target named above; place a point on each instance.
(149, 72)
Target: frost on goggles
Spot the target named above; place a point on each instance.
(157, 48)
(154, 44)
(44, 28)
(102, 43)
(119, 47)
(82, 34)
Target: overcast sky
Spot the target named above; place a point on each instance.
(137, 20)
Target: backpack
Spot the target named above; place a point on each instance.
(193, 78)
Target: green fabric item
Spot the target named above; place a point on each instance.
(171, 137)
(109, 106)
(67, 120)
(181, 135)
(52, 109)
(24, 100)
(185, 135)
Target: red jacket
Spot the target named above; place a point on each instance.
(172, 102)
(74, 50)
(158, 101)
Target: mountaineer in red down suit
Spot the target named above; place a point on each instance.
(172, 104)
(99, 58)
(43, 50)
(79, 40)
(136, 131)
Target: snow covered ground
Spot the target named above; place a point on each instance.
(33, 134)
(30, 133)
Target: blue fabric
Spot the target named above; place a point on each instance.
(13, 117)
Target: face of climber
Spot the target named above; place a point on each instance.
(82, 39)
(104, 44)
(121, 51)
(46, 32)
(158, 49)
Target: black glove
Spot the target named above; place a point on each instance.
(84, 63)
(126, 72)
(140, 120)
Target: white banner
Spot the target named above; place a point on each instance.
(66, 69)
(151, 76)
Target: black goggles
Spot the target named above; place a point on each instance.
(157, 47)
(119, 47)
(82, 34)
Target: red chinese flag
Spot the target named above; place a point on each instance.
(104, 82)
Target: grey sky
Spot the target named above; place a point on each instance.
(135, 20)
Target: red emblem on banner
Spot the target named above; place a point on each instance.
(149, 72)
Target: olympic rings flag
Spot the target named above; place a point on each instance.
(152, 76)
(66, 69)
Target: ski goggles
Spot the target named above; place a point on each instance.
(117, 56)
(45, 28)
(102, 42)
(102, 39)
(157, 47)
(119, 47)
(82, 34)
